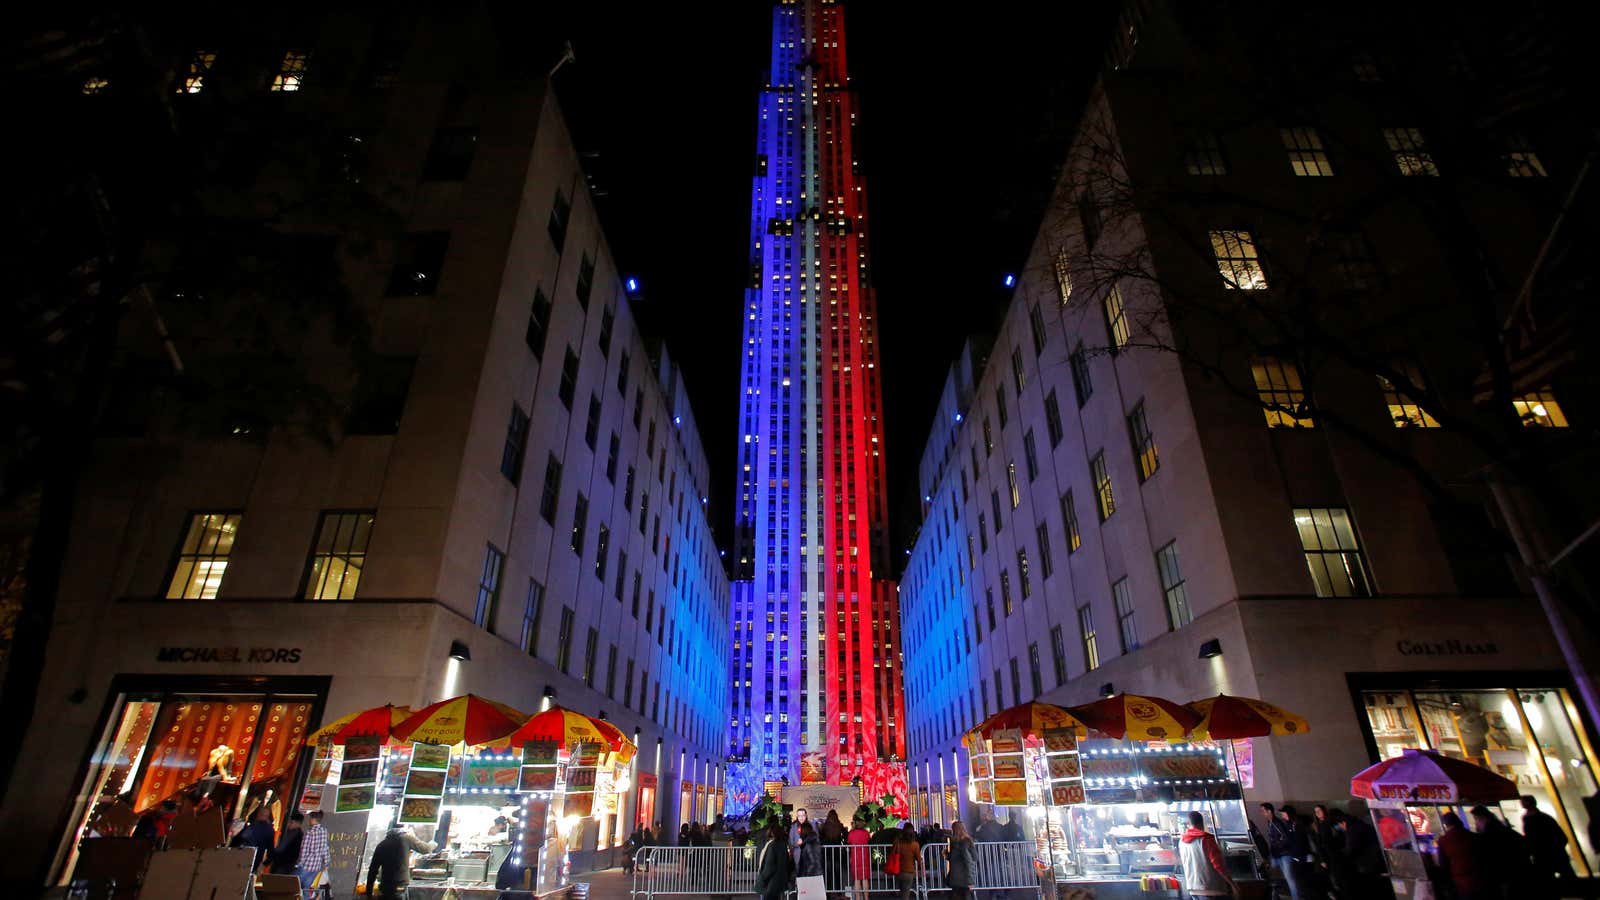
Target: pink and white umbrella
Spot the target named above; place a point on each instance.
(1424, 776)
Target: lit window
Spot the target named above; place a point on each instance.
(203, 556)
(1403, 409)
(1237, 260)
(1540, 410)
(1144, 443)
(1410, 151)
(1282, 394)
(1204, 156)
(199, 69)
(489, 588)
(292, 73)
(1069, 522)
(94, 84)
(1082, 384)
(1091, 644)
(1307, 156)
(1011, 480)
(1063, 266)
(1332, 554)
(1521, 161)
(339, 555)
(1173, 586)
(1105, 502)
(1116, 318)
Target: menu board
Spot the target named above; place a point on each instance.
(490, 773)
(1008, 768)
(358, 776)
(425, 781)
(1168, 766)
(581, 770)
(538, 770)
(1064, 786)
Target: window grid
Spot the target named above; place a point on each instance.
(564, 641)
(1410, 151)
(1091, 643)
(1058, 650)
(1539, 409)
(291, 72)
(203, 556)
(1282, 393)
(1047, 564)
(1144, 443)
(1307, 156)
(516, 442)
(1052, 417)
(1105, 500)
(532, 612)
(1332, 554)
(1520, 160)
(199, 68)
(1037, 330)
(1035, 673)
(1173, 586)
(1063, 267)
(489, 588)
(1204, 156)
(1404, 412)
(1082, 385)
(1069, 522)
(1354, 263)
(552, 489)
(1127, 626)
(1116, 319)
(1237, 260)
(339, 555)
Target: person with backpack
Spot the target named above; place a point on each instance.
(961, 862)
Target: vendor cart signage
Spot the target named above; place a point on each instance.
(1420, 792)
(430, 756)
(228, 654)
(1189, 765)
(355, 798)
(421, 810)
(491, 773)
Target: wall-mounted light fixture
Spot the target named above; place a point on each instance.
(1211, 648)
(1106, 690)
(460, 651)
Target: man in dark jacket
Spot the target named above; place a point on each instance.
(772, 865)
(988, 830)
(287, 853)
(1547, 842)
(257, 835)
(1286, 840)
(1506, 853)
(391, 866)
(1012, 829)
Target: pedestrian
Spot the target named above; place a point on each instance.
(934, 835)
(683, 835)
(1547, 844)
(1505, 852)
(287, 853)
(800, 818)
(772, 865)
(808, 858)
(960, 862)
(860, 858)
(988, 829)
(1205, 871)
(390, 866)
(1364, 872)
(1327, 857)
(832, 830)
(1012, 829)
(909, 853)
(1461, 860)
(257, 835)
(1286, 843)
(312, 866)
(634, 843)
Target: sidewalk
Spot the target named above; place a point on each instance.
(605, 884)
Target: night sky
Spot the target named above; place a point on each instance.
(963, 122)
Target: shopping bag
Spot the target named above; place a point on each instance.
(811, 887)
(891, 866)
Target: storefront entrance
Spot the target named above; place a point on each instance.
(234, 743)
(1530, 734)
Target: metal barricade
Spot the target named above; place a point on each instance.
(997, 866)
(849, 872)
(695, 871)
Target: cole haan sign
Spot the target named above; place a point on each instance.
(228, 655)
(1452, 647)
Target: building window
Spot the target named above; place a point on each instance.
(1204, 155)
(1036, 329)
(580, 522)
(339, 555)
(203, 556)
(516, 442)
(1058, 653)
(1172, 585)
(1089, 219)
(1063, 266)
(1052, 418)
(94, 84)
(1144, 443)
(1019, 376)
(1046, 561)
(1281, 392)
(1521, 161)
(1307, 156)
(613, 450)
(1031, 455)
(560, 214)
(585, 280)
(1023, 580)
(1404, 411)
(1332, 554)
(451, 154)
(1127, 628)
(538, 322)
(988, 595)
(611, 673)
(1540, 410)
(983, 533)
(1237, 260)
(1116, 319)
(552, 489)
(1082, 385)
(291, 72)
(1069, 522)
(622, 376)
(591, 428)
(1091, 644)
(489, 588)
(417, 264)
(199, 68)
(1410, 151)
(608, 320)
(1016, 680)
(1034, 670)
(1000, 691)
(994, 502)
(988, 437)
(1011, 481)
(591, 649)
(1005, 592)
(602, 546)
(569, 379)
(1354, 265)
(1000, 404)
(564, 641)
(1105, 501)
(379, 398)
(532, 612)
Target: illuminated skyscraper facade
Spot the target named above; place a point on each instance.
(816, 660)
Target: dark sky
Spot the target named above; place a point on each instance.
(963, 120)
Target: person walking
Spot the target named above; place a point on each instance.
(1460, 860)
(1547, 845)
(909, 853)
(390, 866)
(257, 835)
(1286, 843)
(312, 866)
(1327, 856)
(808, 858)
(772, 865)
(1504, 851)
(287, 853)
(960, 862)
(1205, 871)
(860, 858)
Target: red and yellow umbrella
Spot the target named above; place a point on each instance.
(378, 721)
(1137, 717)
(1223, 718)
(467, 719)
(567, 727)
(1032, 719)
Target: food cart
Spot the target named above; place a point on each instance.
(1407, 795)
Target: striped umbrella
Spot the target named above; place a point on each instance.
(568, 727)
(1137, 717)
(379, 721)
(1431, 777)
(1032, 719)
(467, 719)
(1223, 718)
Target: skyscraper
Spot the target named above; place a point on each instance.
(816, 669)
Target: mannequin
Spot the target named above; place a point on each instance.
(220, 762)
